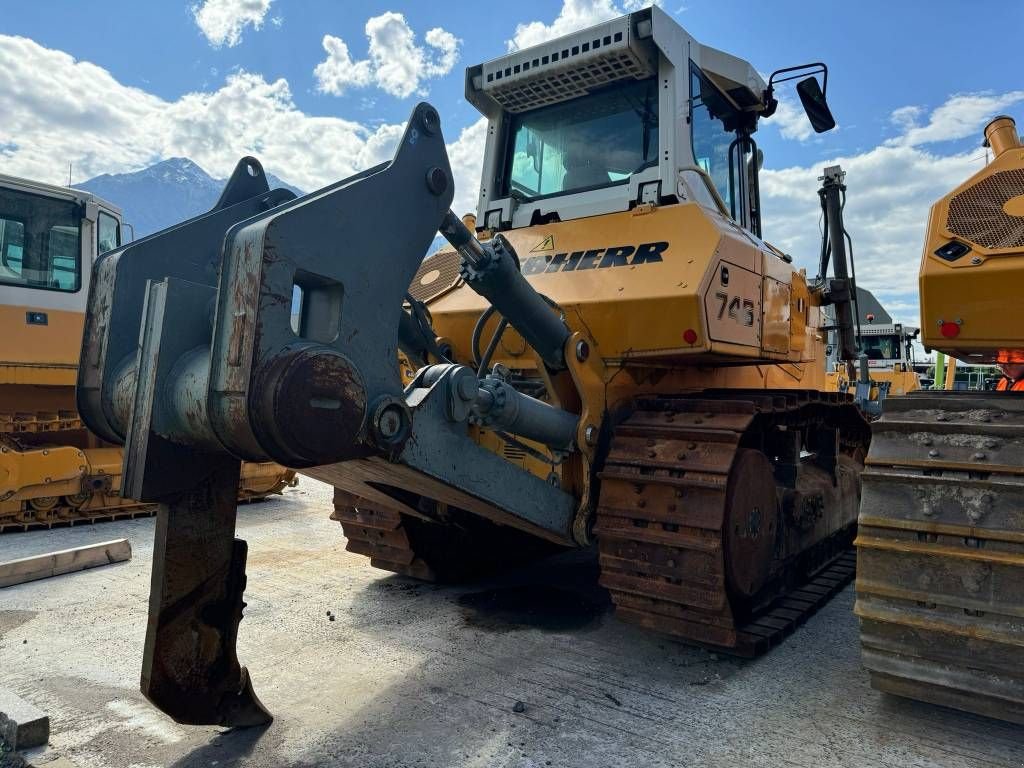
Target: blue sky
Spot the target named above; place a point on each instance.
(114, 86)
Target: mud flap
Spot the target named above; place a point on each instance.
(190, 668)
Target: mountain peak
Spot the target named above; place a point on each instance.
(164, 194)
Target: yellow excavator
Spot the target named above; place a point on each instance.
(940, 571)
(52, 470)
(612, 356)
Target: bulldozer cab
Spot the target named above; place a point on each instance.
(49, 238)
(628, 112)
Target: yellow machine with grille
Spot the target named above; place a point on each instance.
(940, 573)
(52, 470)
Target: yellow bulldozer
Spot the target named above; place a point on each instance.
(611, 357)
(886, 346)
(940, 572)
(52, 470)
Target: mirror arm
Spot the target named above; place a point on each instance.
(801, 70)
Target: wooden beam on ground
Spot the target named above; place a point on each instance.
(64, 561)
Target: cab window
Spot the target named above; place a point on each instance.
(108, 233)
(881, 347)
(710, 139)
(40, 242)
(593, 141)
(725, 152)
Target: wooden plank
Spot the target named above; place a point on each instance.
(64, 561)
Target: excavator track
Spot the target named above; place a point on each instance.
(940, 573)
(699, 539)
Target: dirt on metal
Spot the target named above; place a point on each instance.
(940, 579)
(701, 540)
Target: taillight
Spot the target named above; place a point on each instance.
(949, 330)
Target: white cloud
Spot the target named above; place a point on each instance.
(905, 118)
(891, 189)
(222, 21)
(791, 120)
(958, 118)
(58, 110)
(574, 16)
(466, 155)
(396, 64)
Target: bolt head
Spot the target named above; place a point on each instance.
(467, 387)
(976, 260)
(389, 423)
(437, 181)
(590, 434)
(430, 120)
(582, 350)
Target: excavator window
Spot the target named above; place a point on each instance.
(39, 242)
(594, 141)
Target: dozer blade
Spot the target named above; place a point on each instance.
(190, 669)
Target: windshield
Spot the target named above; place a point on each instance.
(594, 141)
(881, 347)
(39, 242)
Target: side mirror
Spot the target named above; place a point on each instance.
(815, 105)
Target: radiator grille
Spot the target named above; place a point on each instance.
(977, 214)
(436, 275)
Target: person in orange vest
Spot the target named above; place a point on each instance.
(1013, 377)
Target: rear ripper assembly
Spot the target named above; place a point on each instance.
(220, 376)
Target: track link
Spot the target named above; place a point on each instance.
(379, 534)
(456, 548)
(940, 575)
(668, 553)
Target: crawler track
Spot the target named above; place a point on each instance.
(940, 575)
(106, 507)
(461, 547)
(703, 537)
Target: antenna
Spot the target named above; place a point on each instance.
(69, 174)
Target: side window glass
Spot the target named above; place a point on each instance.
(108, 233)
(63, 258)
(12, 247)
(40, 241)
(709, 138)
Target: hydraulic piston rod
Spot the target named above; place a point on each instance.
(492, 270)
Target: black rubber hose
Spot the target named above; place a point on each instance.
(485, 361)
(478, 330)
